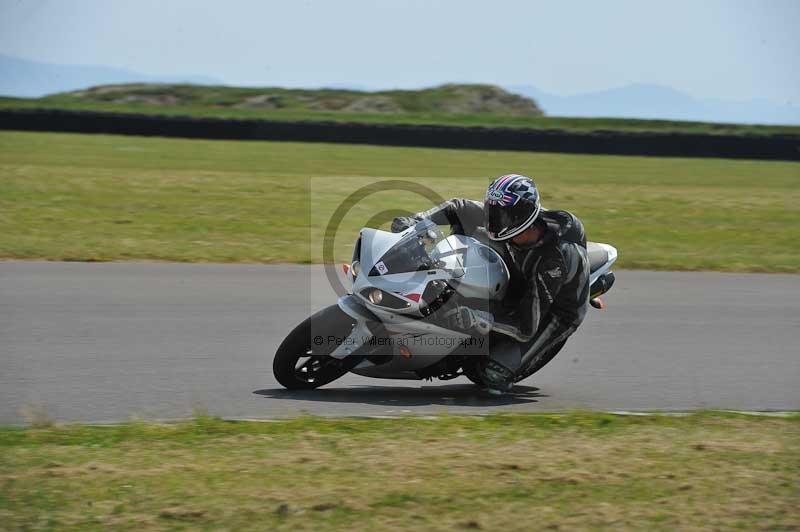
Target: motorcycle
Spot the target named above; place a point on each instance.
(394, 324)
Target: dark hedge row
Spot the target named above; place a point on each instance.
(775, 147)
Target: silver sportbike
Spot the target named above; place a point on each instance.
(395, 323)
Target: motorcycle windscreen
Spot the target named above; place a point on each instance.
(423, 250)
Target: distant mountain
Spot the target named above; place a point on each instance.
(19, 77)
(657, 102)
(23, 78)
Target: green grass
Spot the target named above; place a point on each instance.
(574, 471)
(446, 105)
(92, 197)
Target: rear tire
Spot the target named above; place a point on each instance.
(300, 364)
(471, 372)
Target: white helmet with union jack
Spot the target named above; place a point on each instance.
(511, 206)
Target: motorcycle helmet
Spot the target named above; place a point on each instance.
(511, 206)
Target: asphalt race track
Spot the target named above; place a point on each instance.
(113, 341)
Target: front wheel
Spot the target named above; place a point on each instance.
(301, 364)
(541, 361)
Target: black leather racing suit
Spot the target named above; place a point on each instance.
(548, 293)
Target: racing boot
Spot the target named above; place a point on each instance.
(497, 379)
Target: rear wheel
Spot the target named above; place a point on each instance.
(302, 362)
(470, 370)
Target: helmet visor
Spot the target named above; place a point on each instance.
(506, 222)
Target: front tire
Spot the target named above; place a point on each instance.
(300, 364)
(544, 358)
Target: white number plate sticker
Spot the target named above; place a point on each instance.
(381, 267)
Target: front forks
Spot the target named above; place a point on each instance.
(361, 333)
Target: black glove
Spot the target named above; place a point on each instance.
(401, 223)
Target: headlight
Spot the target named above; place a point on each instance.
(375, 296)
(355, 268)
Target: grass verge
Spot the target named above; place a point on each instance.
(96, 197)
(579, 470)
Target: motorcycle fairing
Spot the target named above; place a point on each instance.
(473, 269)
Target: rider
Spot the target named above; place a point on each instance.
(548, 294)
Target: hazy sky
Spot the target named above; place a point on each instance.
(708, 48)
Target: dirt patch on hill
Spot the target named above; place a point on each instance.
(144, 93)
(373, 104)
(488, 99)
(262, 101)
(149, 99)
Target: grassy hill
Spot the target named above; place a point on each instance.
(458, 105)
(457, 99)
